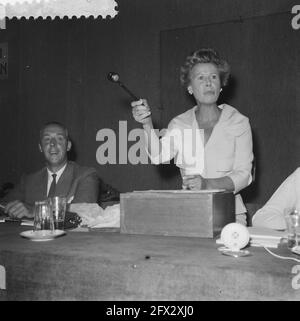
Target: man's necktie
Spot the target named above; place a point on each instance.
(52, 186)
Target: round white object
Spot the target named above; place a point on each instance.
(235, 236)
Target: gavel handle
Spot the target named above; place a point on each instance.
(128, 91)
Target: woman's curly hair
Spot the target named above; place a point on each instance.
(205, 55)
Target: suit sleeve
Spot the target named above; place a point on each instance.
(86, 189)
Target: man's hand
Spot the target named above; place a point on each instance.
(17, 209)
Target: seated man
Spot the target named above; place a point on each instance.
(60, 177)
(287, 196)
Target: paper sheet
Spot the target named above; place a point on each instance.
(94, 216)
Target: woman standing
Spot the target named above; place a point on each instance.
(211, 144)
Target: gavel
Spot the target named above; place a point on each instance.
(114, 77)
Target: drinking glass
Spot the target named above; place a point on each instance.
(292, 219)
(58, 207)
(43, 218)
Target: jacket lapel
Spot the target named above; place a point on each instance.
(65, 181)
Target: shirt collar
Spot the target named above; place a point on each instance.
(194, 120)
(58, 173)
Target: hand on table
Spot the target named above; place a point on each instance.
(17, 210)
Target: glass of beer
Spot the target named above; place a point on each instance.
(58, 207)
(43, 218)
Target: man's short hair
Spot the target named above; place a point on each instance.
(55, 123)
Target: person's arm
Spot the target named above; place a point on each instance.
(271, 215)
(142, 114)
(153, 143)
(160, 150)
(15, 205)
(197, 182)
(242, 166)
(17, 209)
(86, 188)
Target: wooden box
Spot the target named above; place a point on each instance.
(176, 213)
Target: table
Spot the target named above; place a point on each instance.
(113, 266)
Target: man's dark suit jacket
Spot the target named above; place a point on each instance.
(78, 183)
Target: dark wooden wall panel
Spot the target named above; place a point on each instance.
(263, 55)
(57, 70)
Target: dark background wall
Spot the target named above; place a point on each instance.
(57, 70)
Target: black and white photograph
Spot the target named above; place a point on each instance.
(150, 153)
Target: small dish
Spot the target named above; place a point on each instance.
(43, 235)
(226, 251)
